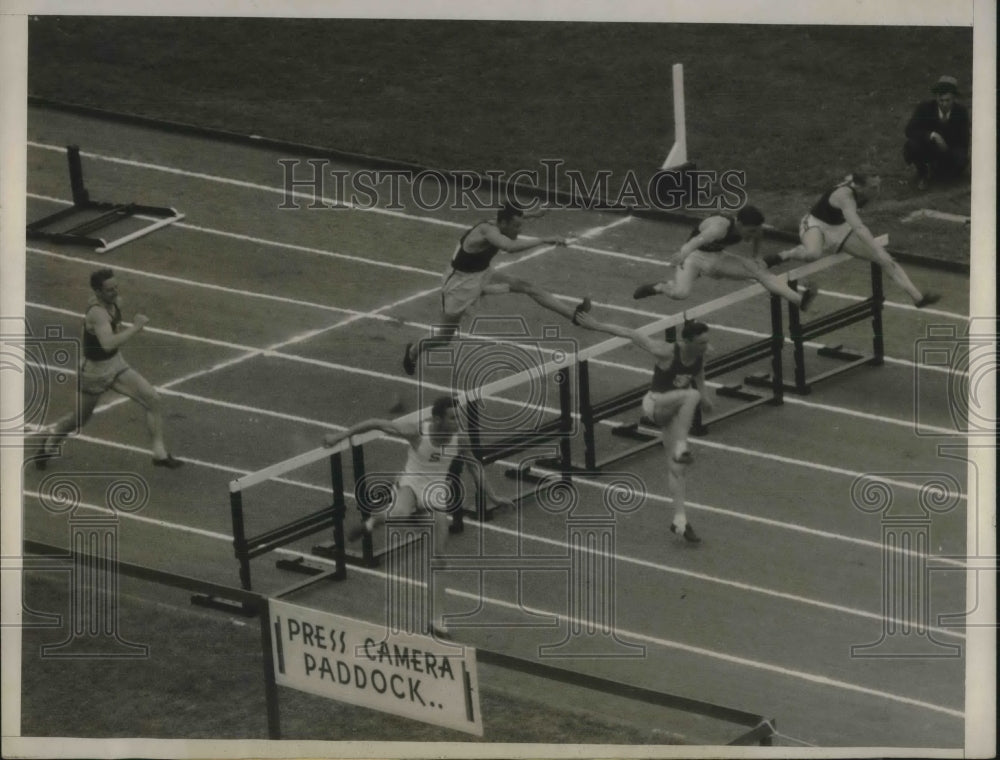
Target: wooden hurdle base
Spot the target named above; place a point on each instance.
(315, 575)
(803, 385)
(736, 391)
(527, 474)
(482, 513)
(220, 604)
(328, 550)
(368, 557)
(298, 565)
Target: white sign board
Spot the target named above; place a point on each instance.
(361, 663)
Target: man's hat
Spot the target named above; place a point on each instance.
(945, 84)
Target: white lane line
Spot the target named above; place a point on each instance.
(243, 184)
(626, 634)
(274, 243)
(853, 474)
(307, 197)
(194, 283)
(874, 417)
(253, 352)
(272, 350)
(740, 585)
(377, 210)
(900, 306)
(508, 262)
(310, 334)
(653, 497)
(430, 273)
(731, 659)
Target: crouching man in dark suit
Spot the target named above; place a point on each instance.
(938, 134)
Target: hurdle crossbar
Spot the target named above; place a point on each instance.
(112, 213)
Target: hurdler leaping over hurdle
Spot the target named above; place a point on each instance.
(833, 225)
(705, 253)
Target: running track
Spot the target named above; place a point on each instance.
(271, 326)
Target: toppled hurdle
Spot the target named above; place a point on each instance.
(110, 213)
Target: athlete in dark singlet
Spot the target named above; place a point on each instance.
(470, 275)
(676, 390)
(705, 253)
(833, 225)
(105, 369)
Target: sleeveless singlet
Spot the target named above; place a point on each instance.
(464, 261)
(823, 211)
(92, 348)
(427, 459)
(677, 376)
(732, 236)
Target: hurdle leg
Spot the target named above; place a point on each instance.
(240, 538)
(698, 426)
(474, 438)
(587, 417)
(777, 344)
(795, 329)
(482, 512)
(455, 502)
(565, 420)
(242, 550)
(80, 195)
(270, 685)
(340, 511)
(367, 546)
(878, 298)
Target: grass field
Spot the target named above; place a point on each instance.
(793, 107)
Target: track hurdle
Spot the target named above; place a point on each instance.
(590, 413)
(247, 547)
(550, 438)
(767, 348)
(111, 213)
(870, 308)
(770, 347)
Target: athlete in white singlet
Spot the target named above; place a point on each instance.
(424, 484)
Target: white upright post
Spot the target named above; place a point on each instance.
(678, 153)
